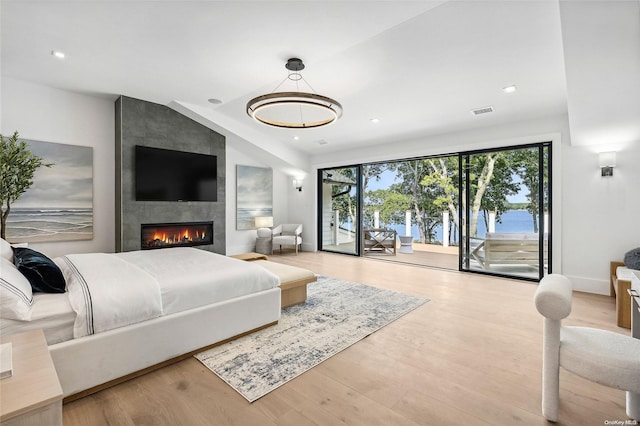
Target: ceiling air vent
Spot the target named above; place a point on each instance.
(482, 110)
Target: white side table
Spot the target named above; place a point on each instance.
(406, 243)
(263, 242)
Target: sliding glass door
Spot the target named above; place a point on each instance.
(484, 211)
(339, 215)
(505, 211)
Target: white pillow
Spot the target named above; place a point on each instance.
(5, 250)
(16, 297)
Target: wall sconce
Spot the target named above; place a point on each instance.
(607, 163)
(297, 184)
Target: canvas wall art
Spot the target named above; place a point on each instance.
(254, 195)
(59, 204)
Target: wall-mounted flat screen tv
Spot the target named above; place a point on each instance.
(168, 175)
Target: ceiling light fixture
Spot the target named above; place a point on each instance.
(58, 54)
(483, 110)
(375, 120)
(294, 109)
(509, 89)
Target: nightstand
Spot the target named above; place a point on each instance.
(263, 242)
(32, 395)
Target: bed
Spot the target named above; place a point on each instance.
(126, 313)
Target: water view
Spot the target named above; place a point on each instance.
(512, 221)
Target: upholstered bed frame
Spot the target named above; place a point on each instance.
(89, 364)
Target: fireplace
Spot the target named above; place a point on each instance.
(184, 234)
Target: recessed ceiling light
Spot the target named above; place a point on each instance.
(375, 120)
(322, 142)
(214, 101)
(483, 110)
(509, 89)
(57, 54)
(296, 138)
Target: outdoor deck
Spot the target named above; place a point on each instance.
(423, 255)
(436, 256)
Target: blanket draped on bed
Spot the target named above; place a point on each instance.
(114, 290)
(107, 292)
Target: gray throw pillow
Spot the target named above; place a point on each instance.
(632, 259)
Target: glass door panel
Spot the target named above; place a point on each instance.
(506, 211)
(413, 202)
(339, 211)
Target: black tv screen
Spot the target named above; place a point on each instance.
(167, 175)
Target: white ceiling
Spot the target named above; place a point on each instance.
(418, 66)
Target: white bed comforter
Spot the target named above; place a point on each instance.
(107, 292)
(190, 277)
(113, 290)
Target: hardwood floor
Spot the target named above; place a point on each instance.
(472, 355)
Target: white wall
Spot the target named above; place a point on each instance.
(302, 207)
(600, 214)
(51, 115)
(242, 241)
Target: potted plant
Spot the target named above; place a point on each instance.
(17, 167)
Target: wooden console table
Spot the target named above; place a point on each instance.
(32, 395)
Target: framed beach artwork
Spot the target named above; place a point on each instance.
(254, 195)
(59, 204)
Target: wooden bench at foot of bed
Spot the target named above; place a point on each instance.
(293, 280)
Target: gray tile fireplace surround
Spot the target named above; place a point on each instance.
(148, 124)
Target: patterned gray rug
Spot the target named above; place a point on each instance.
(336, 315)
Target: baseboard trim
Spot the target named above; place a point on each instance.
(590, 285)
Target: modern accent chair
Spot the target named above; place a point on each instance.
(602, 356)
(287, 234)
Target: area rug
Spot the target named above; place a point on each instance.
(336, 315)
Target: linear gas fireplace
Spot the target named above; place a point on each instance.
(185, 234)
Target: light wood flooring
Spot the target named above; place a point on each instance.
(472, 356)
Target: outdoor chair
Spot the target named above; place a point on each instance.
(602, 356)
(509, 249)
(379, 240)
(287, 234)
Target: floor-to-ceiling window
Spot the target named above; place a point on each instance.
(483, 211)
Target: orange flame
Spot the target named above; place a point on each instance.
(185, 234)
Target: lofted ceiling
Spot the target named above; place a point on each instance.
(419, 67)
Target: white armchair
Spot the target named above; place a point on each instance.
(602, 356)
(287, 234)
